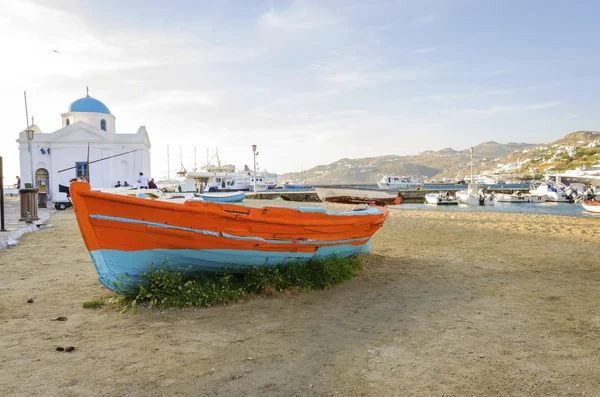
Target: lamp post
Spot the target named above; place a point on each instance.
(29, 132)
(471, 150)
(255, 153)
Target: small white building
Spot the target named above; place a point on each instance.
(62, 155)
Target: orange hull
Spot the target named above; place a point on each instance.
(120, 231)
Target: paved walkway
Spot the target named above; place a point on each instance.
(14, 227)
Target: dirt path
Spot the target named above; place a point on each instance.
(473, 304)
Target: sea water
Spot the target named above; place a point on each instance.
(547, 208)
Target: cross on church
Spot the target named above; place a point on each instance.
(32, 123)
(87, 91)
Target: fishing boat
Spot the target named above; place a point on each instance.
(124, 235)
(591, 205)
(442, 198)
(349, 195)
(221, 197)
(295, 185)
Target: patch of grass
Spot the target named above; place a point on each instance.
(93, 304)
(165, 287)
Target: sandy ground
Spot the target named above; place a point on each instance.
(449, 304)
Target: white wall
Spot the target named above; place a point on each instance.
(103, 174)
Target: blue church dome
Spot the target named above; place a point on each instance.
(88, 104)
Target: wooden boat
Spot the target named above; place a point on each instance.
(591, 205)
(442, 198)
(124, 235)
(295, 185)
(349, 195)
(222, 197)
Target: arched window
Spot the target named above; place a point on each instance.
(103, 124)
(68, 122)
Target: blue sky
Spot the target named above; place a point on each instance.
(309, 82)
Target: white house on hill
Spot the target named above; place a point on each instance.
(88, 123)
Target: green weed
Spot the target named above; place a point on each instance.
(93, 304)
(166, 287)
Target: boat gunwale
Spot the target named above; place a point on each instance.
(233, 211)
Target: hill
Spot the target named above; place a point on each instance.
(575, 149)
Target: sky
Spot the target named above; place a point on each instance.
(308, 82)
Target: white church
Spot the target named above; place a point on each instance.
(62, 155)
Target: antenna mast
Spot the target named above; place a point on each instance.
(26, 113)
(29, 134)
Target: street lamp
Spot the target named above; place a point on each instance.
(255, 153)
(471, 150)
(30, 132)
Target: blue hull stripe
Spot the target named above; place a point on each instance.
(224, 235)
(113, 265)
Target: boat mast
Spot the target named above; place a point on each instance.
(168, 165)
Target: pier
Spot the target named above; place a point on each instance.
(408, 196)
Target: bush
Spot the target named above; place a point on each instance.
(167, 287)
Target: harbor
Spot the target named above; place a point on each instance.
(407, 196)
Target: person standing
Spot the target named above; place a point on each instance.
(142, 181)
(18, 182)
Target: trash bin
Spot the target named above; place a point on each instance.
(42, 199)
(29, 205)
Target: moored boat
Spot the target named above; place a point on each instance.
(520, 198)
(222, 197)
(398, 183)
(349, 195)
(553, 192)
(295, 185)
(442, 198)
(124, 235)
(474, 195)
(591, 205)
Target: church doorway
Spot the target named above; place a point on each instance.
(42, 183)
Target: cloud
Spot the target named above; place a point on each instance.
(425, 50)
(301, 16)
(459, 95)
(494, 110)
(424, 20)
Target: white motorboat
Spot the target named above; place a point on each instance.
(475, 196)
(226, 179)
(553, 193)
(520, 198)
(398, 183)
(442, 198)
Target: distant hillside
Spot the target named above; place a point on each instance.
(577, 137)
(489, 158)
(429, 164)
